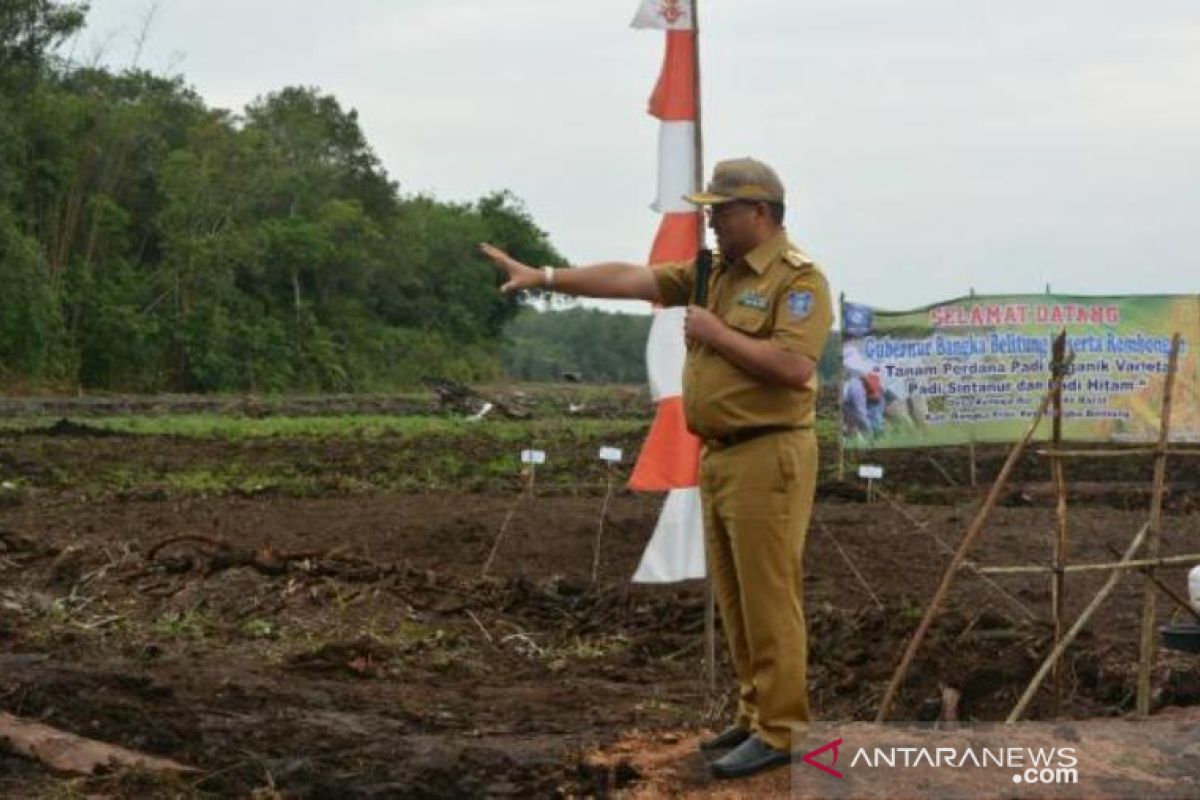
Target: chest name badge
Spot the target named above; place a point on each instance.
(753, 299)
(800, 304)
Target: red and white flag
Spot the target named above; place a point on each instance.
(670, 457)
(667, 15)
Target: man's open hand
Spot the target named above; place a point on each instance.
(520, 276)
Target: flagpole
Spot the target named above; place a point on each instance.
(699, 127)
(710, 606)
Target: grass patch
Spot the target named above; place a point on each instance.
(224, 427)
(212, 454)
(191, 624)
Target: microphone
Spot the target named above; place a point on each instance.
(704, 260)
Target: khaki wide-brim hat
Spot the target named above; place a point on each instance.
(740, 179)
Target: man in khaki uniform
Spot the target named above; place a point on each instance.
(749, 392)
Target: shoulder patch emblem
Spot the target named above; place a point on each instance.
(800, 304)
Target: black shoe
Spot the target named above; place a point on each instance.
(726, 739)
(751, 756)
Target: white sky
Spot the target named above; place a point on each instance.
(928, 146)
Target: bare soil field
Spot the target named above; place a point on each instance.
(333, 636)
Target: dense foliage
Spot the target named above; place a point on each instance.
(150, 243)
(595, 345)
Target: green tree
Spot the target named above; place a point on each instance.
(148, 242)
(599, 346)
(30, 30)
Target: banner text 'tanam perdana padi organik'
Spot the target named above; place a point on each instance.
(976, 369)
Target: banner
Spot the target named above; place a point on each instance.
(975, 369)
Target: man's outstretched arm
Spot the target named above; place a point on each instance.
(618, 281)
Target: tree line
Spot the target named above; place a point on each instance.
(149, 242)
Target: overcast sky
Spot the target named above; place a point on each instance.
(928, 146)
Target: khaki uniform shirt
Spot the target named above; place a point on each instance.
(775, 292)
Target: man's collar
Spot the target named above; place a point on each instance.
(761, 257)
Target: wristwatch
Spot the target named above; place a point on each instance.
(548, 273)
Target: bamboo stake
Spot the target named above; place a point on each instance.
(600, 528)
(841, 462)
(1065, 642)
(973, 470)
(1132, 451)
(1129, 451)
(1149, 597)
(1175, 597)
(710, 636)
(1165, 561)
(1057, 580)
(968, 539)
(528, 489)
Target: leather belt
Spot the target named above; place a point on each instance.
(746, 434)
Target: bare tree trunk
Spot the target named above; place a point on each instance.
(296, 295)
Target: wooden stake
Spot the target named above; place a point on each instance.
(487, 565)
(1131, 451)
(950, 701)
(1166, 561)
(710, 637)
(841, 440)
(1057, 581)
(600, 528)
(973, 467)
(1178, 599)
(968, 539)
(1149, 597)
(1066, 640)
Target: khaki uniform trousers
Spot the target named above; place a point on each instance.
(757, 497)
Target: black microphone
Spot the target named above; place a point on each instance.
(704, 260)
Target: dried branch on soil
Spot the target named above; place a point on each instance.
(221, 555)
(465, 400)
(68, 753)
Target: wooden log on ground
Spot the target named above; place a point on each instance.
(70, 754)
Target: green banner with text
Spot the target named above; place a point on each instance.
(975, 369)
